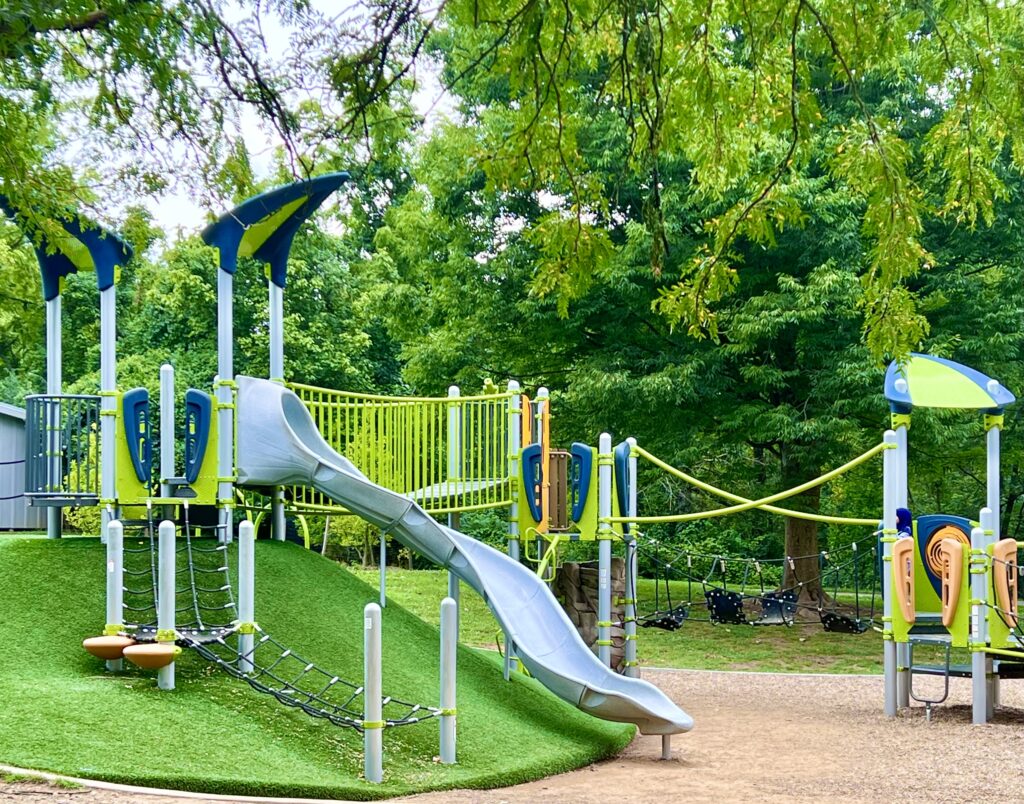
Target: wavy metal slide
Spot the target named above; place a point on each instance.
(278, 444)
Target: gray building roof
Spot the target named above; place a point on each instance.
(12, 411)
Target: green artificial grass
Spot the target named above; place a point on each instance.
(697, 645)
(62, 712)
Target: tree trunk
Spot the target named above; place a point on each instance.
(802, 570)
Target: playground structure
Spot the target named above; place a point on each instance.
(398, 462)
(952, 582)
(98, 450)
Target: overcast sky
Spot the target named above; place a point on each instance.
(179, 212)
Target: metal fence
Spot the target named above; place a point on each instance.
(62, 453)
(447, 453)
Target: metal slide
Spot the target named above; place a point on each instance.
(278, 444)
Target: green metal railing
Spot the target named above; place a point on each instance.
(447, 453)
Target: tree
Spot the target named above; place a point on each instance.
(789, 390)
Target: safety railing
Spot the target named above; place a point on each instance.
(447, 453)
(62, 452)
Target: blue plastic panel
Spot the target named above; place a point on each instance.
(135, 404)
(579, 478)
(622, 477)
(198, 416)
(533, 477)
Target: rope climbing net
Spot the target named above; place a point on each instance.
(207, 622)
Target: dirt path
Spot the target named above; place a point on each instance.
(769, 738)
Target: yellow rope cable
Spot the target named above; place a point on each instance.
(747, 504)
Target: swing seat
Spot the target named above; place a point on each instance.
(777, 608)
(838, 623)
(671, 620)
(725, 607)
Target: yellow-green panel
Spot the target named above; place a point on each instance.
(936, 385)
(205, 486)
(75, 250)
(258, 234)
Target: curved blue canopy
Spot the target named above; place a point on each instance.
(934, 382)
(265, 225)
(87, 247)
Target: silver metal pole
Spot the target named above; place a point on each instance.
(902, 501)
(166, 604)
(276, 333)
(277, 524)
(276, 309)
(225, 401)
(54, 363)
(166, 428)
(632, 668)
(889, 491)
(604, 555)
(108, 404)
(515, 425)
(454, 587)
(115, 586)
(449, 642)
(980, 664)
(454, 474)
(993, 425)
(383, 568)
(538, 421)
(373, 710)
(246, 594)
(666, 746)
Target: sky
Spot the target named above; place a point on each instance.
(178, 212)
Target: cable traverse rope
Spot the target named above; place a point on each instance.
(764, 504)
(213, 631)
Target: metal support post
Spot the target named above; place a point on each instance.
(981, 664)
(455, 475)
(993, 428)
(246, 595)
(115, 586)
(515, 425)
(889, 492)
(604, 555)
(449, 643)
(54, 362)
(108, 406)
(225, 403)
(165, 624)
(632, 668)
(166, 433)
(373, 709)
(902, 501)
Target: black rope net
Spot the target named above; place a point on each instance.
(747, 591)
(207, 621)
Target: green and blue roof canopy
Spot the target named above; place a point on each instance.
(934, 382)
(85, 246)
(265, 225)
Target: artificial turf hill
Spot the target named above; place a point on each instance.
(60, 711)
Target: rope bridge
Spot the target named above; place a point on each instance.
(207, 622)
